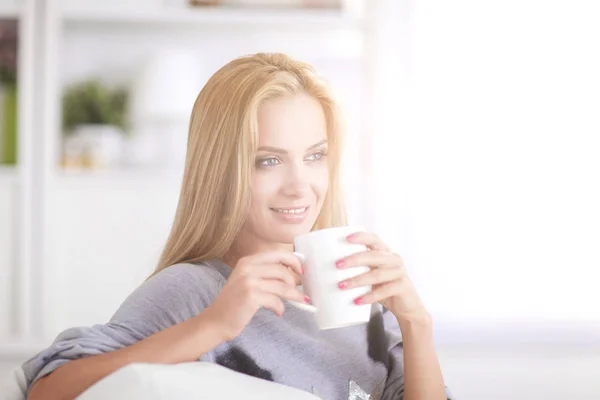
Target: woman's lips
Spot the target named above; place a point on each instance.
(291, 214)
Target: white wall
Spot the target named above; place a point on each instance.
(106, 237)
(487, 181)
(7, 253)
(486, 162)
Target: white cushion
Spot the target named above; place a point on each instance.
(195, 380)
(14, 386)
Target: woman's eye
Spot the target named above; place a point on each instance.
(316, 156)
(267, 162)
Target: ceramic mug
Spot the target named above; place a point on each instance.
(332, 306)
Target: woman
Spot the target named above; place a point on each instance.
(261, 168)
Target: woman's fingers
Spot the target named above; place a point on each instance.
(279, 257)
(274, 271)
(371, 240)
(374, 277)
(271, 301)
(282, 290)
(376, 258)
(380, 292)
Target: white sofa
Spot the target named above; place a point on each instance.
(195, 380)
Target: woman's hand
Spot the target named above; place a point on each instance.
(390, 284)
(260, 280)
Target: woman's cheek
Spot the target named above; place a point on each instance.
(322, 183)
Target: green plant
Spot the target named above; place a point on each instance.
(9, 33)
(8, 126)
(91, 102)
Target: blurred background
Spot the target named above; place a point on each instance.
(473, 150)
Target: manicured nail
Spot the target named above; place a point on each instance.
(302, 269)
(340, 263)
(351, 236)
(306, 299)
(343, 284)
(358, 301)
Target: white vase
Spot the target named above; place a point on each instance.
(163, 95)
(97, 146)
(166, 86)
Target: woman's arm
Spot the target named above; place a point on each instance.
(423, 378)
(393, 289)
(187, 341)
(164, 320)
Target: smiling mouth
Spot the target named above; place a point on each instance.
(297, 210)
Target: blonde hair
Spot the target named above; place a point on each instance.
(222, 140)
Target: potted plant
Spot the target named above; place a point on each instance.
(94, 124)
(8, 92)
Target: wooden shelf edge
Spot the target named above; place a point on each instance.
(10, 11)
(118, 176)
(8, 173)
(217, 15)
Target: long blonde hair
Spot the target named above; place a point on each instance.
(222, 140)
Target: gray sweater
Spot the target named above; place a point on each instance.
(357, 362)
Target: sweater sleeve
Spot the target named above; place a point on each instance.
(394, 387)
(172, 296)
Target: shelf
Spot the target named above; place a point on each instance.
(129, 177)
(305, 33)
(205, 16)
(10, 11)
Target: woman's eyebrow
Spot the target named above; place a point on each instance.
(324, 141)
(272, 149)
(282, 151)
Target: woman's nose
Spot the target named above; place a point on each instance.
(297, 181)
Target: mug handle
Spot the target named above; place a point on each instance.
(302, 306)
(300, 256)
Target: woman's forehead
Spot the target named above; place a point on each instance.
(291, 121)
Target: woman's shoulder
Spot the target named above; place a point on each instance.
(206, 272)
(175, 289)
(185, 280)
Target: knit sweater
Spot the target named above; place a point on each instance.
(357, 362)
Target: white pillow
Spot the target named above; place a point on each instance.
(14, 386)
(194, 380)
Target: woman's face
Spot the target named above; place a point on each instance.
(291, 176)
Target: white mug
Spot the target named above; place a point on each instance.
(332, 306)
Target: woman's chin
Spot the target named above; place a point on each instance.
(285, 233)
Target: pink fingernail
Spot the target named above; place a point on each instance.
(302, 269)
(306, 299)
(351, 236)
(343, 284)
(358, 301)
(340, 263)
